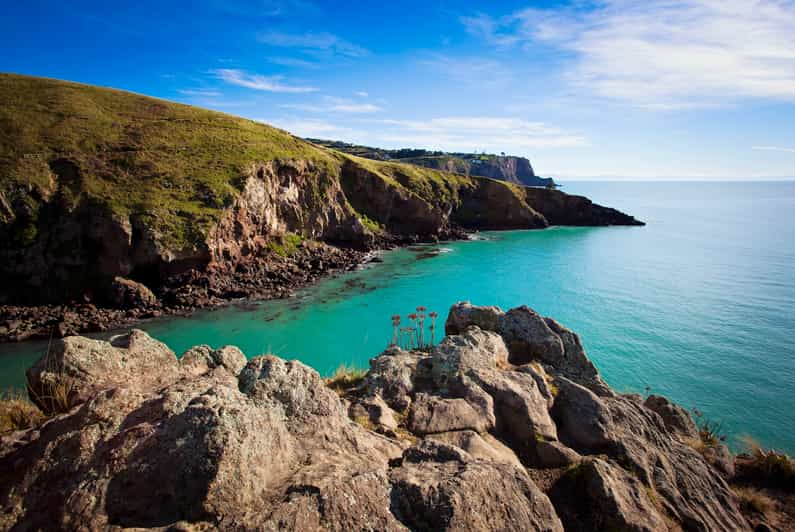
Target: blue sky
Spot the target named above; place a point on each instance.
(649, 89)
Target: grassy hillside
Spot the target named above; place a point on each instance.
(176, 163)
(173, 165)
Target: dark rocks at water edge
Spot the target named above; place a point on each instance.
(129, 301)
(504, 425)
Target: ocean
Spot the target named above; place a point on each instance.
(699, 305)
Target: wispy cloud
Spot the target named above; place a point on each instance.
(265, 8)
(200, 93)
(494, 134)
(663, 54)
(362, 94)
(313, 128)
(471, 70)
(258, 82)
(293, 62)
(478, 132)
(311, 42)
(330, 104)
(774, 148)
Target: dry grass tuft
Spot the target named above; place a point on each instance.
(17, 412)
(766, 465)
(346, 377)
(58, 396)
(752, 500)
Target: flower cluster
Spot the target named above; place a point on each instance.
(412, 336)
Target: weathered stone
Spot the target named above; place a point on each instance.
(583, 420)
(464, 314)
(448, 489)
(85, 366)
(376, 410)
(676, 418)
(598, 496)
(391, 377)
(430, 414)
(552, 454)
(202, 358)
(529, 338)
(482, 446)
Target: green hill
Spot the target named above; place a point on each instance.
(97, 183)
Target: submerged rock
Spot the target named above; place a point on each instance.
(505, 425)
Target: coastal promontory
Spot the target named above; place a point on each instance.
(116, 206)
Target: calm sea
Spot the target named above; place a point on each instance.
(699, 305)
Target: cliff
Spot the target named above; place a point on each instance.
(508, 168)
(115, 206)
(504, 425)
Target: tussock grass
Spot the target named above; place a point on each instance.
(346, 377)
(59, 394)
(766, 465)
(752, 500)
(17, 412)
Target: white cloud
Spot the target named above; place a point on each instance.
(774, 148)
(362, 94)
(663, 54)
(312, 128)
(331, 104)
(478, 133)
(493, 134)
(258, 82)
(310, 42)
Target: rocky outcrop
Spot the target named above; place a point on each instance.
(502, 428)
(560, 208)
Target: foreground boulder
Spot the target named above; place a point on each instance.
(505, 425)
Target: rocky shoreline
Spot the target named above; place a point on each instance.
(504, 425)
(270, 277)
(273, 277)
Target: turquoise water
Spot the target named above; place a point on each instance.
(699, 305)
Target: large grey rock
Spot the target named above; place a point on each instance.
(530, 337)
(270, 451)
(85, 366)
(442, 488)
(482, 446)
(598, 496)
(464, 314)
(583, 419)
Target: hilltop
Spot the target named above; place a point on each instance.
(503, 167)
(115, 205)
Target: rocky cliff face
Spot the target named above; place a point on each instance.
(505, 425)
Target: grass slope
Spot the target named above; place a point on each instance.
(136, 154)
(175, 166)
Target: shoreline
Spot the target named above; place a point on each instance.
(315, 262)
